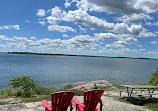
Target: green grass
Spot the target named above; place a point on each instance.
(151, 104)
(78, 92)
(36, 99)
(5, 96)
(107, 88)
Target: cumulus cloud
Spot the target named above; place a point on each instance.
(125, 31)
(152, 23)
(82, 17)
(75, 43)
(9, 27)
(132, 10)
(145, 33)
(60, 28)
(120, 40)
(134, 18)
(41, 13)
(120, 6)
(81, 44)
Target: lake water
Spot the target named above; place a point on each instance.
(57, 71)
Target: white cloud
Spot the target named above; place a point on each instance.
(132, 11)
(153, 42)
(145, 33)
(32, 38)
(82, 29)
(142, 50)
(65, 35)
(125, 7)
(42, 23)
(82, 17)
(9, 27)
(134, 18)
(60, 28)
(82, 44)
(2, 37)
(67, 4)
(41, 13)
(106, 36)
(152, 23)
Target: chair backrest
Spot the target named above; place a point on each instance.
(92, 98)
(61, 100)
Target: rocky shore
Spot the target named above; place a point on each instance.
(88, 85)
(108, 98)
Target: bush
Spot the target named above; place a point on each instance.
(25, 85)
(43, 90)
(78, 92)
(8, 91)
(154, 78)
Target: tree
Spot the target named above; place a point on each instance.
(154, 78)
(25, 84)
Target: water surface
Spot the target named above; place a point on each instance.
(57, 71)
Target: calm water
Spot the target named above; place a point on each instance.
(57, 71)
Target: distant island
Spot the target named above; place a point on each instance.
(33, 53)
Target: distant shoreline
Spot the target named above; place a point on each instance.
(32, 53)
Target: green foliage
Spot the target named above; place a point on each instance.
(152, 106)
(154, 78)
(25, 84)
(95, 86)
(78, 92)
(35, 99)
(109, 88)
(8, 91)
(43, 90)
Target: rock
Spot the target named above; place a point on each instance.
(88, 85)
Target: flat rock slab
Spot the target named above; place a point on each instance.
(87, 85)
(110, 104)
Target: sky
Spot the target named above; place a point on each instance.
(114, 28)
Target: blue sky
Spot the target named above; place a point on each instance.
(88, 27)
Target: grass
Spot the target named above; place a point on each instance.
(5, 96)
(36, 99)
(151, 104)
(107, 88)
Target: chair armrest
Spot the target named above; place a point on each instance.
(45, 104)
(77, 102)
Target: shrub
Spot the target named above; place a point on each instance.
(154, 78)
(95, 86)
(43, 90)
(78, 92)
(8, 91)
(25, 85)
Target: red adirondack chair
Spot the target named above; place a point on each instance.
(91, 99)
(60, 101)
